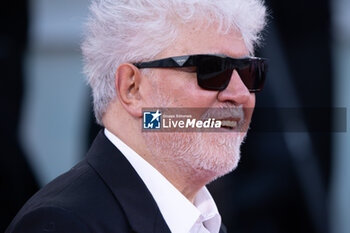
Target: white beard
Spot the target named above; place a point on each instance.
(197, 153)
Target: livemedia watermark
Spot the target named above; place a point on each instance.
(235, 119)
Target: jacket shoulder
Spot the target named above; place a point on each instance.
(77, 201)
(50, 219)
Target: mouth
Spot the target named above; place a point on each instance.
(230, 124)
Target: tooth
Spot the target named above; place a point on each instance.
(231, 124)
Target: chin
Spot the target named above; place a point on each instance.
(217, 154)
(208, 155)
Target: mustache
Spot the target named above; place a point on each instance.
(224, 112)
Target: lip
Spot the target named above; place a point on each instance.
(229, 123)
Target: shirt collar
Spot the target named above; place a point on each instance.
(178, 212)
(209, 213)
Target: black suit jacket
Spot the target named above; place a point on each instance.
(102, 193)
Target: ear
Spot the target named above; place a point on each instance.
(127, 84)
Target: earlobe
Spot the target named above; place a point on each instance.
(127, 84)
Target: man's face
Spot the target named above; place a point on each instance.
(216, 153)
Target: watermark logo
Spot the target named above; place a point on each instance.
(152, 120)
(178, 120)
(237, 118)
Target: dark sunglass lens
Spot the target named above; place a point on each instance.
(212, 74)
(215, 80)
(253, 75)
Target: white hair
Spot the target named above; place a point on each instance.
(121, 31)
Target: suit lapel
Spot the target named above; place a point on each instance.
(128, 188)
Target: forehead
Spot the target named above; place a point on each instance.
(207, 40)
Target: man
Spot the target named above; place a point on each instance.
(156, 53)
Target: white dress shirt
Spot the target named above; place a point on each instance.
(178, 212)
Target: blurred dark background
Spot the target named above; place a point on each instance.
(285, 182)
(16, 177)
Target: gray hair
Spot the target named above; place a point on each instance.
(121, 31)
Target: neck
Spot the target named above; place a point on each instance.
(185, 179)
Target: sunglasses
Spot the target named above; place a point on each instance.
(214, 71)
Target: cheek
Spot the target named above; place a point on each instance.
(249, 108)
(251, 102)
(193, 96)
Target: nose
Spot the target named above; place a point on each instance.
(236, 92)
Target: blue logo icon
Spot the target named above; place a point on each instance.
(151, 120)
